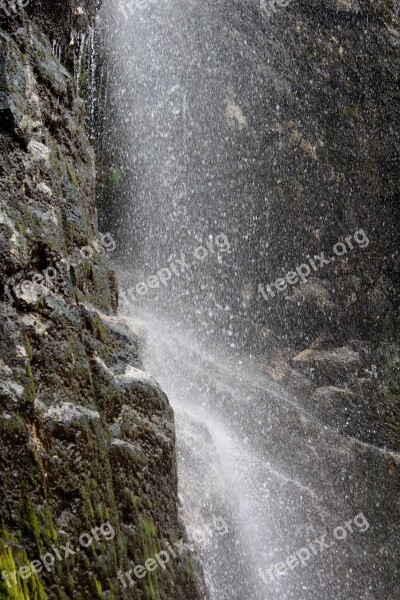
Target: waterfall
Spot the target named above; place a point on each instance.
(188, 86)
(91, 93)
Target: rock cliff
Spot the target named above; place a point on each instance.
(86, 437)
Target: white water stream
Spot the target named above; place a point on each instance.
(220, 476)
(187, 84)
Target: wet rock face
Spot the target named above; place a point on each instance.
(329, 168)
(333, 169)
(86, 437)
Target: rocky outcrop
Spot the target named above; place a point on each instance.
(86, 437)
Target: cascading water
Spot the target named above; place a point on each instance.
(220, 475)
(183, 126)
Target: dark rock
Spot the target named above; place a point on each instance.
(338, 366)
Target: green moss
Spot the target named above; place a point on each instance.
(13, 425)
(93, 484)
(7, 564)
(148, 538)
(115, 176)
(189, 568)
(71, 174)
(79, 296)
(23, 58)
(70, 584)
(28, 347)
(97, 328)
(84, 80)
(59, 570)
(29, 393)
(88, 508)
(38, 526)
(100, 512)
(134, 501)
(11, 560)
(31, 524)
(98, 588)
(36, 589)
(84, 76)
(48, 531)
(147, 528)
(151, 592)
(37, 460)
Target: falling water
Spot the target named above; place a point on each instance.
(91, 91)
(220, 474)
(185, 107)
